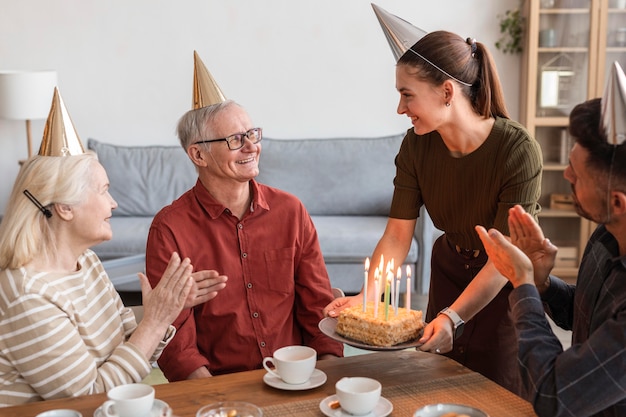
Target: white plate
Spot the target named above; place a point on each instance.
(317, 378)
(382, 409)
(436, 410)
(159, 409)
(329, 324)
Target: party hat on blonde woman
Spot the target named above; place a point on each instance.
(614, 106)
(400, 34)
(59, 135)
(206, 92)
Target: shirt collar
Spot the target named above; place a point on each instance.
(215, 209)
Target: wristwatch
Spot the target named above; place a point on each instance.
(457, 322)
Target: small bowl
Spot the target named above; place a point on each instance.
(60, 413)
(230, 409)
(438, 410)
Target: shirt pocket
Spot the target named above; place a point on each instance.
(279, 264)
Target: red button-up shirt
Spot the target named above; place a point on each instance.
(277, 280)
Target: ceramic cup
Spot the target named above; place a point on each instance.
(130, 400)
(292, 364)
(60, 413)
(358, 395)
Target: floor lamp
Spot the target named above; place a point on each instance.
(26, 95)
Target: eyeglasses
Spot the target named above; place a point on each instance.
(237, 140)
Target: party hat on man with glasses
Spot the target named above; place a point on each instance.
(206, 92)
(614, 106)
(59, 135)
(400, 34)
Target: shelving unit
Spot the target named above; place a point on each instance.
(569, 47)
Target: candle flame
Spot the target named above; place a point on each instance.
(399, 274)
(408, 271)
(367, 264)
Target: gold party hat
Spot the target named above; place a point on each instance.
(205, 90)
(614, 106)
(59, 135)
(400, 34)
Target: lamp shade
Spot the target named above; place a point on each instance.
(26, 95)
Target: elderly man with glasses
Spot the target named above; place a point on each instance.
(261, 238)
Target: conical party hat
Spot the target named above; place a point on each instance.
(614, 106)
(400, 34)
(59, 135)
(205, 90)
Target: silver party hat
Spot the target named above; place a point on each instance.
(614, 106)
(400, 34)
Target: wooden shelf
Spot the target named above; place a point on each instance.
(548, 212)
(564, 273)
(587, 38)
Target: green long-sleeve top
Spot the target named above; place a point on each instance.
(476, 189)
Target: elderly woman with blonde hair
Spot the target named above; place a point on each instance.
(65, 330)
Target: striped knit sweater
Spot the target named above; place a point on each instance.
(65, 335)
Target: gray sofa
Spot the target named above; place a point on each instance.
(346, 185)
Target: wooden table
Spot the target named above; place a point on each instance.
(410, 380)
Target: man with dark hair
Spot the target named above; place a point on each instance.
(589, 378)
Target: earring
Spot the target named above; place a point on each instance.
(447, 104)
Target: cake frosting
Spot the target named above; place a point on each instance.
(354, 323)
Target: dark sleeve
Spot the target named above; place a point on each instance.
(521, 182)
(558, 302)
(584, 379)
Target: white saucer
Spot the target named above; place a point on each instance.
(159, 409)
(317, 378)
(382, 409)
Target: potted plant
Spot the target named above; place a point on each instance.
(512, 32)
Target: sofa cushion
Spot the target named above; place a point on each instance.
(129, 237)
(349, 239)
(344, 176)
(144, 179)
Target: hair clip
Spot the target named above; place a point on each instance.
(46, 211)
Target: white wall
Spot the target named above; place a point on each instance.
(318, 68)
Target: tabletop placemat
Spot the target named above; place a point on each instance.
(466, 389)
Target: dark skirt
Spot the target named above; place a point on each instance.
(488, 344)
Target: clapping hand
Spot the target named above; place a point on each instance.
(206, 286)
(508, 259)
(528, 236)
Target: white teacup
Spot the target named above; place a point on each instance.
(130, 400)
(60, 413)
(358, 395)
(293, 364)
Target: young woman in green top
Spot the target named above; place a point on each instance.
(467, 163)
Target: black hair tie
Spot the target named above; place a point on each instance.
(472, 43)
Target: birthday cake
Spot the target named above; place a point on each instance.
(394, 329)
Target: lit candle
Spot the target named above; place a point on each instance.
(367, 270)
(392, 297)
(397, 303)
(376, 292)
(407, 302)
(387, 288)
